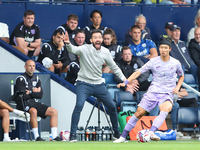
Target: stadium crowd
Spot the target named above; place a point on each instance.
(137, 49)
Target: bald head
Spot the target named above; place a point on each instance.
(197, 34)
(29, 67)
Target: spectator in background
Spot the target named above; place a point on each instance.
(145, 31)
(194, 50)
(4, 33)
(180, 52)
(74, 67)
(70, 26)
(129, 64)
(26, 35)
(197, 24)
(145, 49)
(96, 18)
(31, 83)
(110, 42)
(54, 55)
(168, 25)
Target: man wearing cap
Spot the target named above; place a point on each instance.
(54, 55)
(145, 49)
(168, 25)
(165, 70)
(180, 52)
(140, 20)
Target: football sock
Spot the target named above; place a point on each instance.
(54, 132)
(5, 136)
(35, 132)
(158, 121)
(129, 126)
(16, 111)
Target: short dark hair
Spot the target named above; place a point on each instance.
(95, 31)
(79, 31)
(73, 17)
(135, 27)
(95, 11)
(60, 31)
(29, 12)
(125, 48)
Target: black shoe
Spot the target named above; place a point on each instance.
(56, 139)
(72, 138)
(116, 135)
(39, 139)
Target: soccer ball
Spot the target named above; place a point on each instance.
(144, 136)
(64, 135)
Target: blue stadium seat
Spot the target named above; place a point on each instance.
(128, 105)
(112, 89)
(123, 96)
(139, 95)
(191, 95)
(109, 78)
(188, 115)
(189, 79)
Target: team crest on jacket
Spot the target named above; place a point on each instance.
(34, 83)
(33, 31)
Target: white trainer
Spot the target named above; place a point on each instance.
(179, 134)
(120, 140)
(21, 114)
(7, 140)
(154, 137)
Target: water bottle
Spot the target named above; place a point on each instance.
(100, 134)
(103, 134)
(78, 134)
(93, 135)
(87, 135)
(82, 133)
(106, 133)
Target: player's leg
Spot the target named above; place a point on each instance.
(144, 106)
(83, 91)
(34, 123)
(4, 105)
(53, 113)
(131, 124)
(5, 123)
(165, 108)
(102, 94)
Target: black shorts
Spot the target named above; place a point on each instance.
(41, 108)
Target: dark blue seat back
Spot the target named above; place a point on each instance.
(123, 96)
(139, 95)
(188, 115)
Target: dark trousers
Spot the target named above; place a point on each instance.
(85, 90)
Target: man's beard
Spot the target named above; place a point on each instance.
(99, 47)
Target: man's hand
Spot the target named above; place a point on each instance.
(59, 65)
(121, 85)
(175, 90)
(66, 38)
(61, 44)
(37, 89)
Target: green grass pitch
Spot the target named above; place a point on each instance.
(104, 145)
